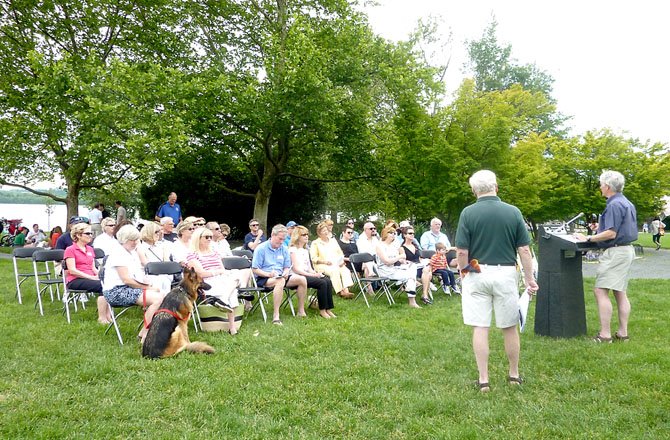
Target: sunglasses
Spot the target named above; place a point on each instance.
(409, 233)
(255, 225)
(198, 224)
(216, 229)
(392, 233)
(348, 232)
(304, 235)
(112, 225)
(207, 237)
(191, 229)
(87, 233)
(372, 229)
(225, 235)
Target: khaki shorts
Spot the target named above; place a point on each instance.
(495, 289)
(614, 268)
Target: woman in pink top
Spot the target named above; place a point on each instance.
(81, 271)
(207, 263)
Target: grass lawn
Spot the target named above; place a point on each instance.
(378, 373)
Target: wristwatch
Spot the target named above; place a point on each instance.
(588, 239)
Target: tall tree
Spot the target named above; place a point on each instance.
(84, 94)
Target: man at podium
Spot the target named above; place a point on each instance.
(616, 231)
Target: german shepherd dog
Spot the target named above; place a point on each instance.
(168, 331)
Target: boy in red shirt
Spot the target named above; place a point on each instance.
(439, 265)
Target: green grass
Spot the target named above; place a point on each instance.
(381, 373)
(646, 241)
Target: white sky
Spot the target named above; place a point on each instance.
(609, 59)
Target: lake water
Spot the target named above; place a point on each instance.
(31, 214)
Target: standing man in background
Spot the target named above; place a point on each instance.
(492, 232)
(94, 218)
(169, 209)
(616, 231)
(120, 212)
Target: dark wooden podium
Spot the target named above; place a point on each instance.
(559, 309)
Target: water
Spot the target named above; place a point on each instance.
(31, 214)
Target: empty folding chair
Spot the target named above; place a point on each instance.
(48, 280)
(20, 277)
(364, 283)
(243, 253)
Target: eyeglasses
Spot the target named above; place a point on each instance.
(87, 233)
(409, 233)
(255, 225)
(215, 229)
(372, 229)
(112, 225)
(304, 235)
(207, 237)
(348, 232)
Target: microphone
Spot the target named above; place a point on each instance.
(574, 218)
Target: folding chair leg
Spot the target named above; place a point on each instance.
(196, 317)
(18, 284)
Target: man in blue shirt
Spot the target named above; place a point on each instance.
(616, 231)
(272, 266)
(169, 209)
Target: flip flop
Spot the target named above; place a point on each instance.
(516, 381)
(277, 322)
(601, 339)
(483, 386)
(620, 338)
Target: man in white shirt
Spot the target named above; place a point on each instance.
(430, 238)
(95, 217)
(35, 236)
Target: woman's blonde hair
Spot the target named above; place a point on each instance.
(182, 226)
(297, 232)
(148, 233)
(321, 226)
(127, 233)
(386, 230)
(76, 230)
(194, 245)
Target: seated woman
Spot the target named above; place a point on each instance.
(388, 255)
(207, 263)
(182, 245)
(328, 259)
(53, 237)
(348, 245)
(154, 249)
(81, 271)
(124, 282)
(412, 255)
(301, 265)
(106, 241)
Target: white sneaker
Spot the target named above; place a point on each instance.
(456, 290)
(432, 287)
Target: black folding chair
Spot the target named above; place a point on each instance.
(49, 279)
(241, 262)
(24, 254)
(243, 253)
(71, 296)
(364, 283)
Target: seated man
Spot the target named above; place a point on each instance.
(167, 227)
(430, 238)
(271, 265)
(255, 236)
(35, 236)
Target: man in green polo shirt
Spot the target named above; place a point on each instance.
(492, 232)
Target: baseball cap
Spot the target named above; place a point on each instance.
(291, 224)
(75, 219)
(404, 224)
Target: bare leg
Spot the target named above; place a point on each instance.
(231, 323)
(426, 276)
(104, 313)
(153, 299)
(277, 295)
(301, 291)
(623, 306)
(604, 311)
(512, 349)
(480, 345)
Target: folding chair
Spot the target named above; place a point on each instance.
(243, 253)
(20, 277)
(116, 316)
(170, 268)
(48, 280)
(364, 282)
(72, 295)
(243, 263)
(427, 254)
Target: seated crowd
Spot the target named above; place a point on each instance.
(285, 260)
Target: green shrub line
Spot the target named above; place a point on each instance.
(386, 372)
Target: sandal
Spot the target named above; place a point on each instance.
(601, 339)
(483, 386)
(277, 322)
(516, 381)
(619, 338)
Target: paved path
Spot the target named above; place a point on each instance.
(653, 264)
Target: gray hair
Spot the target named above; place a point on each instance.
(278, 229)
(127, 233)
(483, 181)
(166, 220)
(435, 220)
(614, 179)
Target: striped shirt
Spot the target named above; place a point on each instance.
(207, 261)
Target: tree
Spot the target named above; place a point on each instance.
(83, 94)
(290, 95)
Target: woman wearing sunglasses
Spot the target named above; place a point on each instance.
(182, 245)
(81, 271)
(392, 263)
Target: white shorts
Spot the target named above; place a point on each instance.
(495, 289)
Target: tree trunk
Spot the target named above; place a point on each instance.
(72, 200)
(261, 207)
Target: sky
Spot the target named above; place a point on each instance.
(609, 59)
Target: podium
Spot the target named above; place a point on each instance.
(559, 307)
